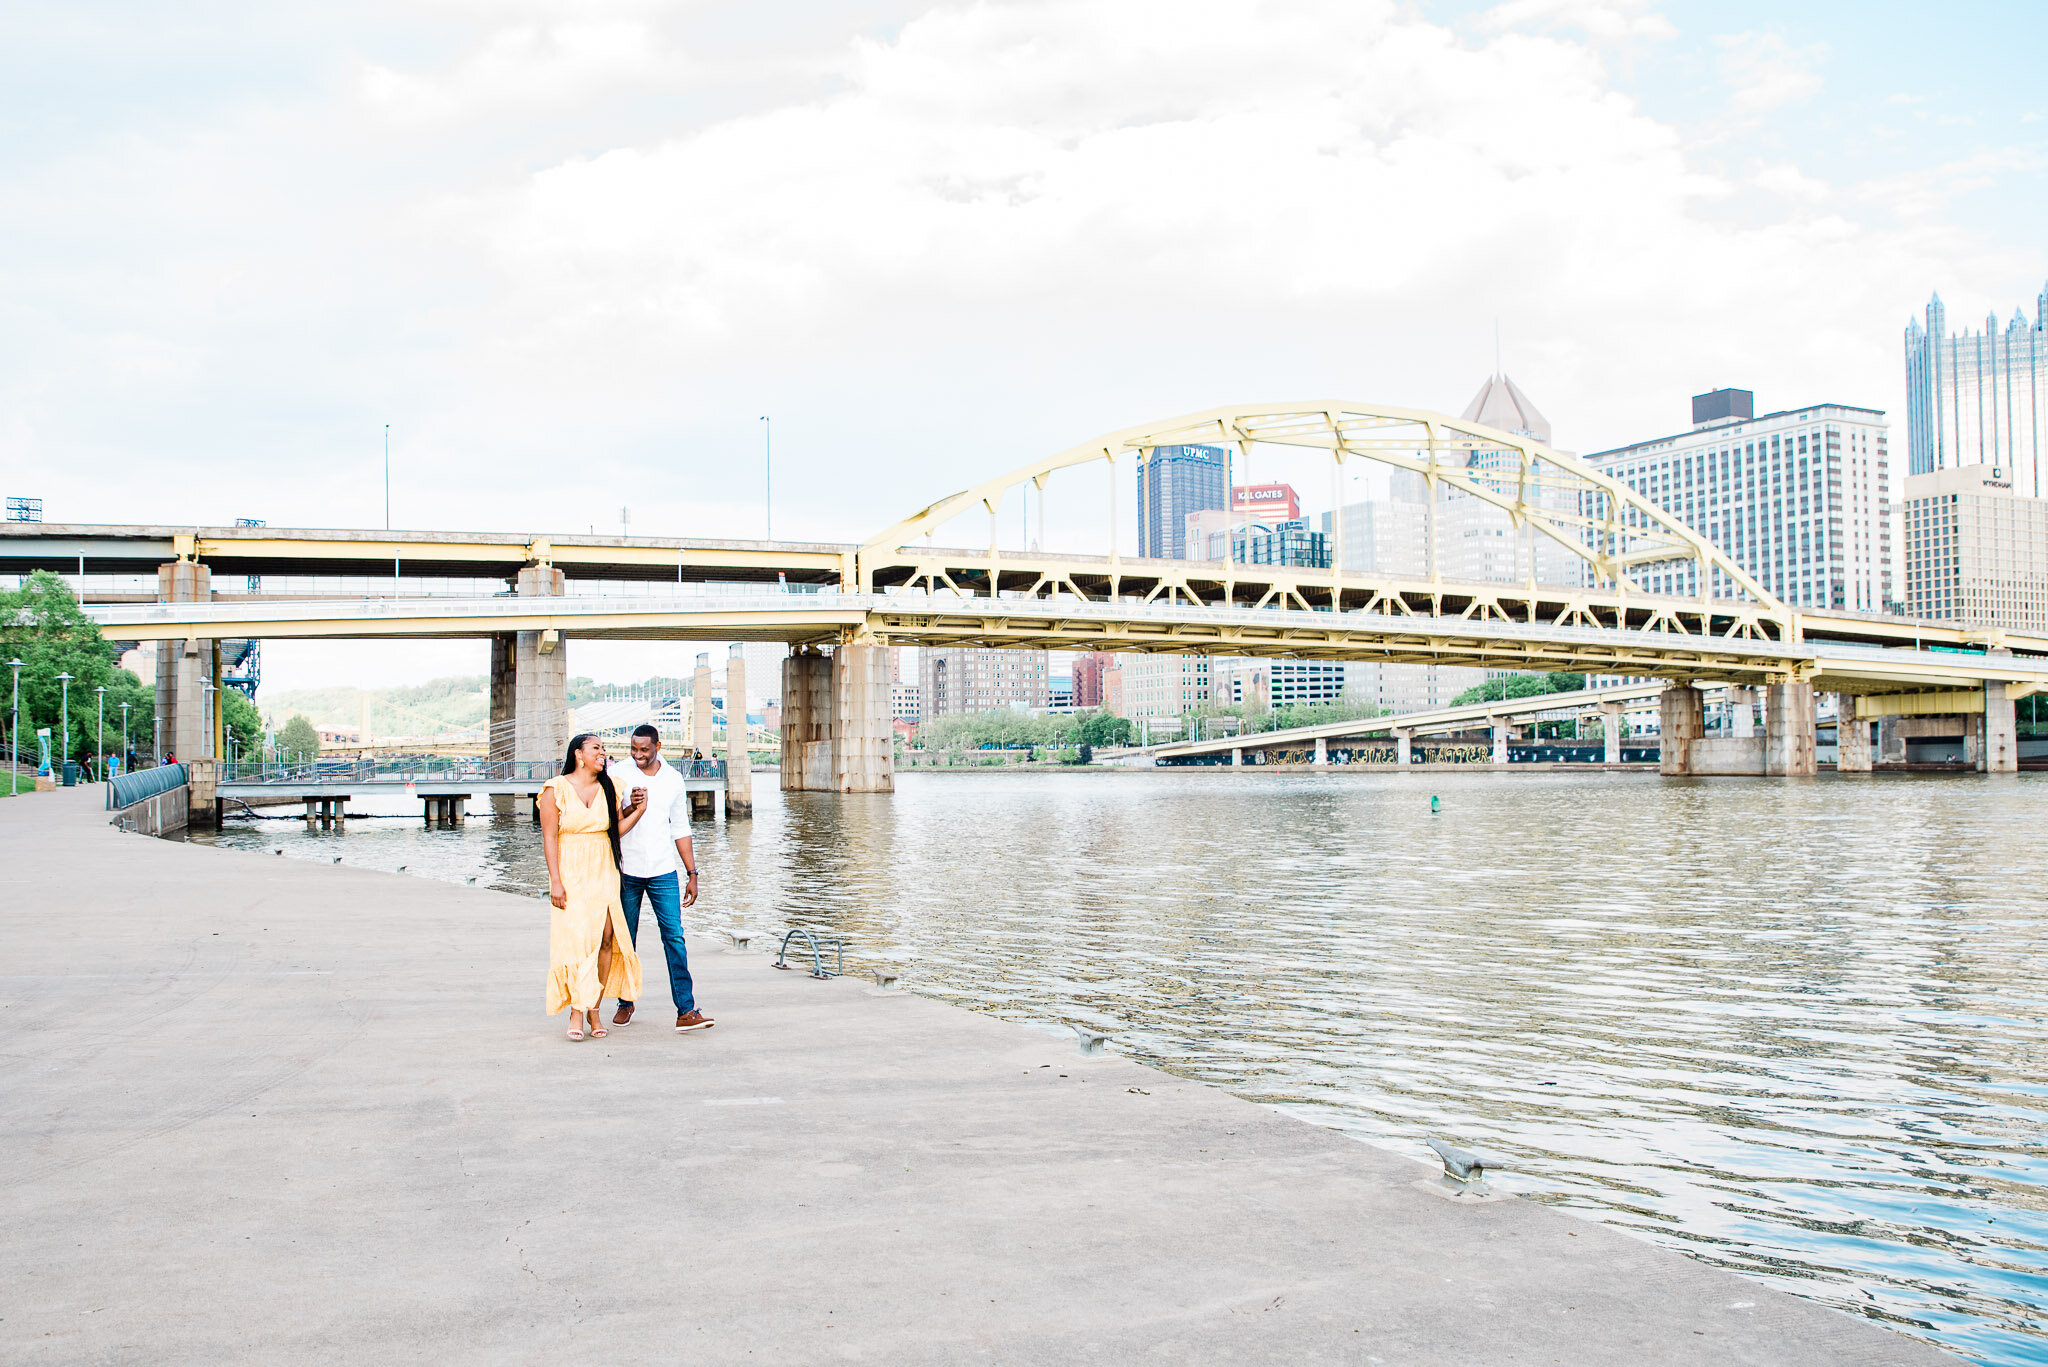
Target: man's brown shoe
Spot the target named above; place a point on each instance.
(624, 1015)
(694, 1020)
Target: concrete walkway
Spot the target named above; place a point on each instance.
(260, 1110)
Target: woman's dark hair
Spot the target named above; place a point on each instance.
(604, 781)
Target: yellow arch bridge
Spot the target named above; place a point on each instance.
(837, 603)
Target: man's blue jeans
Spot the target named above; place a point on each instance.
(667, 896)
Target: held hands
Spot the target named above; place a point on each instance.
(637, 799)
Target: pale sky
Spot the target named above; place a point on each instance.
(571, 252)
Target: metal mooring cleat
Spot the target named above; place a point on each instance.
(1464, 1169)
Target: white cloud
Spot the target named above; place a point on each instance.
(1000, 230)
(527, 65)
(1602, 20)
(1763, 71)
(1784, 178)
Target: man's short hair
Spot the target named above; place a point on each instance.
(648, 731)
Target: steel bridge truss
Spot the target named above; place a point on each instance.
(1606, 526)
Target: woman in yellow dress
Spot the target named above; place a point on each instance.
(590, 955)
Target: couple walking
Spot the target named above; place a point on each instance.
(603, 855)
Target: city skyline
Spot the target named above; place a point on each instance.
(558, 252)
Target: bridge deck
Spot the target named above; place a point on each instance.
(263, 1110)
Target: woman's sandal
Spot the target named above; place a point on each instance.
(597, 1030)
(576, 1032)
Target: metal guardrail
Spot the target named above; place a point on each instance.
(143, 784)
(426, 770)
(395, 771)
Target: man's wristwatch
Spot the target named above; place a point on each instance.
(692, 873)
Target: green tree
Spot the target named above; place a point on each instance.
(298, 740)
(1095, 729)
(1520, 686)
(240, 719)
(42, 625)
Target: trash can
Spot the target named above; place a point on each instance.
(70, 773)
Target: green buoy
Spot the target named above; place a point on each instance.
(1435, 804)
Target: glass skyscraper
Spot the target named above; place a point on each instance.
(1174, 481)
(1979, 398)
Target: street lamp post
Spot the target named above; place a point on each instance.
(64, 726)
(124, 730)
(387, 476)
(99, 731)
(768, 474)
(210, 690)
(14, 746)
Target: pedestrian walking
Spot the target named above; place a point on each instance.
(653, 853)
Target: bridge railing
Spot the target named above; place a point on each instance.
(283, 774)
(388, 770)
(129, 789)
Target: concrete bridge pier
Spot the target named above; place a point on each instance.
(1741, 713)
(2000, 753)
(326, 812)
(1404, 746)
(1891, 740)
(1237, 756)
(701, 724)
(1610, 732)
(1501, 734)
(1852, 737)
(1681, 722)
(443, 811)
(183, 669)
(837, 734)
(1322, 759)
(529, 686)
(1789, 750)
(739, 767)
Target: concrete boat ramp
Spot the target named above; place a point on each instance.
(260, 1110)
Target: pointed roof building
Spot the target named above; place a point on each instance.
(1500, 404)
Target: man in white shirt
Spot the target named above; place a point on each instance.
(649, 855)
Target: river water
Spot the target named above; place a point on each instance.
(1790, 1028)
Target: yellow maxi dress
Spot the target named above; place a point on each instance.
(585, 964)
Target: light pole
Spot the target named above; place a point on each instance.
(124, 731)
(14, 745)
(209, 691)
(99, 733)
(768, 474)
(387, 476)
(65, 726)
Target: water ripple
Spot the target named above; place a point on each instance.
(1793, 1029)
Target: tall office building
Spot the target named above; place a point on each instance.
(1162, 686)
(1264, 543)
(1979, 398)
(1088, 671)
(1501, 404)
(962, 680)
(1976, 551)
(1174, 481)
(1266, 684)
(1478, 542)
(1801, 498)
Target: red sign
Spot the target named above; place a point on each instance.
(1277, 501)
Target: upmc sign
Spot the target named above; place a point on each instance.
(1277, 501)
